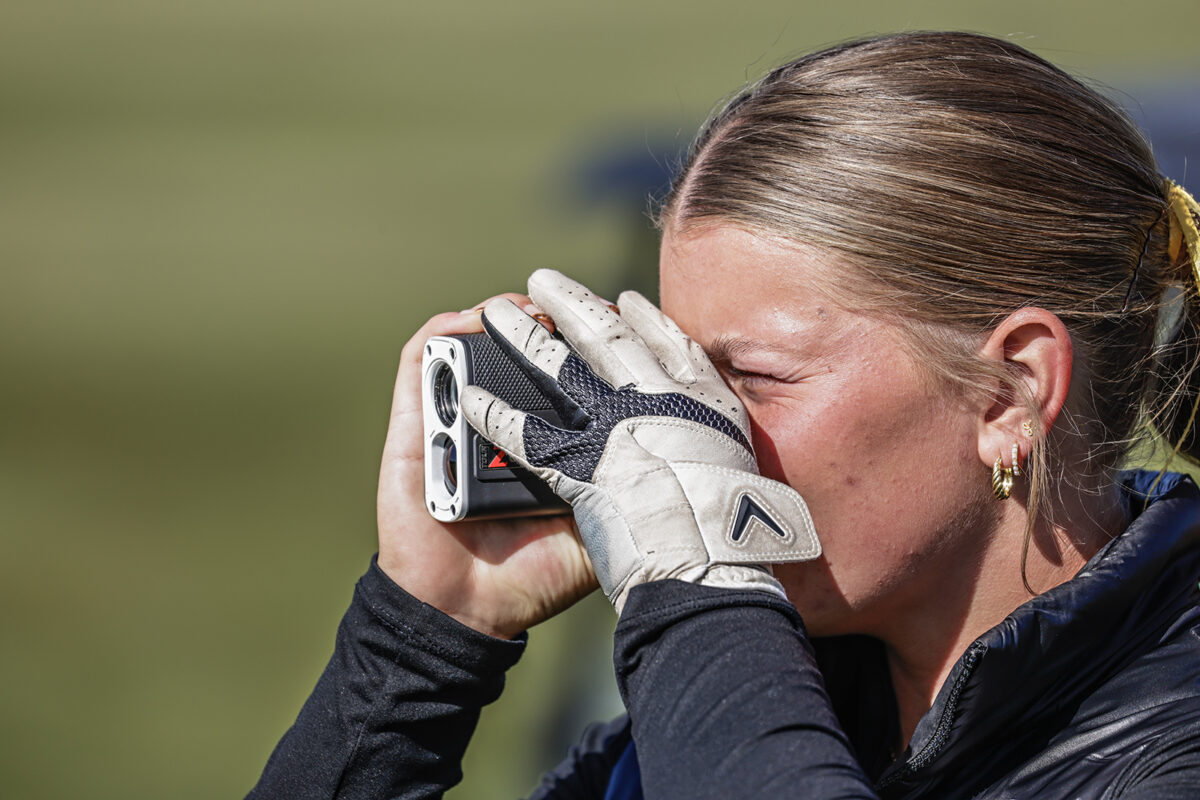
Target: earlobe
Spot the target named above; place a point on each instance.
(1033, 348)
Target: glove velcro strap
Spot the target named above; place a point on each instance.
(745, 518)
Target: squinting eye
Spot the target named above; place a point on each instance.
(750, 379)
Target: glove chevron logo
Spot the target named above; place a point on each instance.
(749, 512)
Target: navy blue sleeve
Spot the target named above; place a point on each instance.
(392, 713)
(584, 773)
(726, 698)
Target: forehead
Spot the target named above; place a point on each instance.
(723, 281)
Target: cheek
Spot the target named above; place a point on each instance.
(809, 445)
(884, 507)
(865, 461)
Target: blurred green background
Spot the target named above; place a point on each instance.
(219, 222)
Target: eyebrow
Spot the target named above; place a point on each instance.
(724, 349)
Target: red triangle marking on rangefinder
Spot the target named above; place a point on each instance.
(501, 460)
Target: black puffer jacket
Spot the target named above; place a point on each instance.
(1091, 690)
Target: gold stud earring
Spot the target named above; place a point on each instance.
(1027, 428)
(1002, 479)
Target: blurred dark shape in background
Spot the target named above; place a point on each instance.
(630, 173)
(1169, 113)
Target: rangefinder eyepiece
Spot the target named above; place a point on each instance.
(466, 476)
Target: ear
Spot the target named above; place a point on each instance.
(1033, 344)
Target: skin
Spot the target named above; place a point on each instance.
(895, 470)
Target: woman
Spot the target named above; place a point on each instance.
(948, 290)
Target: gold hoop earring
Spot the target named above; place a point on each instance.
(1002, 479)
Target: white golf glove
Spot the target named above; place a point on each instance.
(654, 456)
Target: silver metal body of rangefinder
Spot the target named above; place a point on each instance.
(466, 476)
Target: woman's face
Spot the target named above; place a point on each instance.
(839, 411)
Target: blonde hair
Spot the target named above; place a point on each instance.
(960, 177)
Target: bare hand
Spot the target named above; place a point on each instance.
(497, 576)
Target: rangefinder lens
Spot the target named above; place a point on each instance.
(445, 393)
(446, 454)
(451, 468)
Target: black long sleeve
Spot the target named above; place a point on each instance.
(720, 707)
(392, 713)
(726, 698)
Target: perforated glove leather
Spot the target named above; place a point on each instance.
(654, 456)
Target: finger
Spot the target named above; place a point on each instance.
(682, 357)
(539, 354)
(500, 423)
(545, 450)
(613, 349)
(518, 299)
(525, 337)
(522, 302)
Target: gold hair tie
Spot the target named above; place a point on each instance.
(1182, 211)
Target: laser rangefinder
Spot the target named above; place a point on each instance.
(466, 476)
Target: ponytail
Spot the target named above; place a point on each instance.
(1178, 368)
